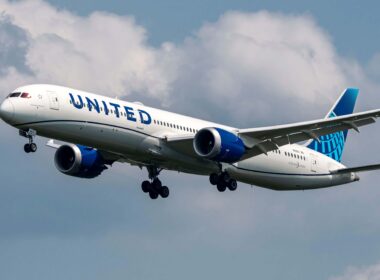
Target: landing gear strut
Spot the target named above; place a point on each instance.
(223, 181)
(30, 147)
(154, 187)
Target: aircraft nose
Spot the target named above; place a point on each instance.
(7, 110)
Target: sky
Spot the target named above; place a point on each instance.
(243, 63)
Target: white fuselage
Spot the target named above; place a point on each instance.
(137, 134)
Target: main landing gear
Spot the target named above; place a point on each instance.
(223, 181)
(154, 187)
(30, 147)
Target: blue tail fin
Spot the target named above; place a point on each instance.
(332, 145)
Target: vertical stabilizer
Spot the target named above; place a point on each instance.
(332, 145)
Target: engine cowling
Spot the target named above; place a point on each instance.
(218, 144)
(79, 161)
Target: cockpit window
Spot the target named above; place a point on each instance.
(15, 94)
(25, 95)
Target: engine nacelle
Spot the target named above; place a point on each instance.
(79, 161)
(218, 144)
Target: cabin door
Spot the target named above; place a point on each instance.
(53, 100)
(313, 163)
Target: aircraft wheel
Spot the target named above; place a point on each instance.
(145, 186)
(221, 186)
(27, 148)
(164, 192)
(214, 179)
(232, 185)
(33, 147)
(153, 194)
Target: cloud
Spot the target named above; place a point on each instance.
(246, 65)
(360, 273)
(102, 52)
(234, 70)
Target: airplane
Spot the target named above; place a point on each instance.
(98, 131)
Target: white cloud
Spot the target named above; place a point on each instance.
(260, 62)
(360, 273)
(257, 62)
(102, 52)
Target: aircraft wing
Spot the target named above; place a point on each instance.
(265, 139)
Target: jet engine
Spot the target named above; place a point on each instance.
(218, 145)
(79, 161)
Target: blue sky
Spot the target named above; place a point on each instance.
(286, 64)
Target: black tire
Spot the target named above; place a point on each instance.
(232, 185)
(153, 194)
(33, 147)
(145, 186)
(27, 148)
(164, 192)
(157, 184)
(221, 186)
(214, 179)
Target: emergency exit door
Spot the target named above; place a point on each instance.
(53, 100)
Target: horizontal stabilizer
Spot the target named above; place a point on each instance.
(357, 169)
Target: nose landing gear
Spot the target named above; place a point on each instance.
(223, 181)
(154, 187)
(30, 147)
